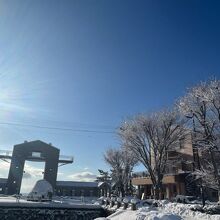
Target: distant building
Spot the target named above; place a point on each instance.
(42, 152)
(182, 161)
(72, 188)
(87, 189)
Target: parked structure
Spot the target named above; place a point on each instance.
(181, 162)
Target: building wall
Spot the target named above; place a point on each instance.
(76, 191)
(174, 178)
(183, 159)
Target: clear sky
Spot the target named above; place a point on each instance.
(89, 64)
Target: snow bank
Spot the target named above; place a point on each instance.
(140, 215)
(156, 215)
(165, 211)
(184, 210)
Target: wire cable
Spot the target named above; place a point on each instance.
(56, 128)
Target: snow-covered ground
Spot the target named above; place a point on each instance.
(76, 202)
(165, 211)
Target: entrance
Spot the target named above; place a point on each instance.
(33, 171)
(35, 151)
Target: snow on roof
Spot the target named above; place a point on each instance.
(103, 184)
(100, 184)
(77, 184)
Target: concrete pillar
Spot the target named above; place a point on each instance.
(178, 188)
(16, 171)
(182, 188)
(167, 191)
(152, 191)
(145, 191)
(139, 192)
(51, 167)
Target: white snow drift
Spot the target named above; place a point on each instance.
(165, 211)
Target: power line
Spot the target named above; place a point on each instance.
(56, 128)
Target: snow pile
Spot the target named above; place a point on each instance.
(140, 215)
(155, 215)
(150, 213)
(41, 191)
(165, 211)
(132, 215)
(42, 187)
(184, 210)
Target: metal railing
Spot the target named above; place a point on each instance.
(5, 153)
(139, 174)
(67, 158)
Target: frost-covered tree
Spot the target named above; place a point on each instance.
(149, 138)
(201, 105)
(129, 161)
(206, 173)
(121, 163)
(103, 176)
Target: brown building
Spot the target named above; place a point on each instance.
(181, 162)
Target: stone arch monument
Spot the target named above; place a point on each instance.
(34, 151)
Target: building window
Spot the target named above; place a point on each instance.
(36, 154)
(215, 194)
(73, 192)
(91, 193)
(181, 143)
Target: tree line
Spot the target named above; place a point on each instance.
(146, 139)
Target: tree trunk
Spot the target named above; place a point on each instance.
(215, 172)
(202, 194)
(160, 186)
(126, 189)
(156, 192)
(122, 193)
(121, 190)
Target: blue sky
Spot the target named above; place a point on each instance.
(89, 64)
